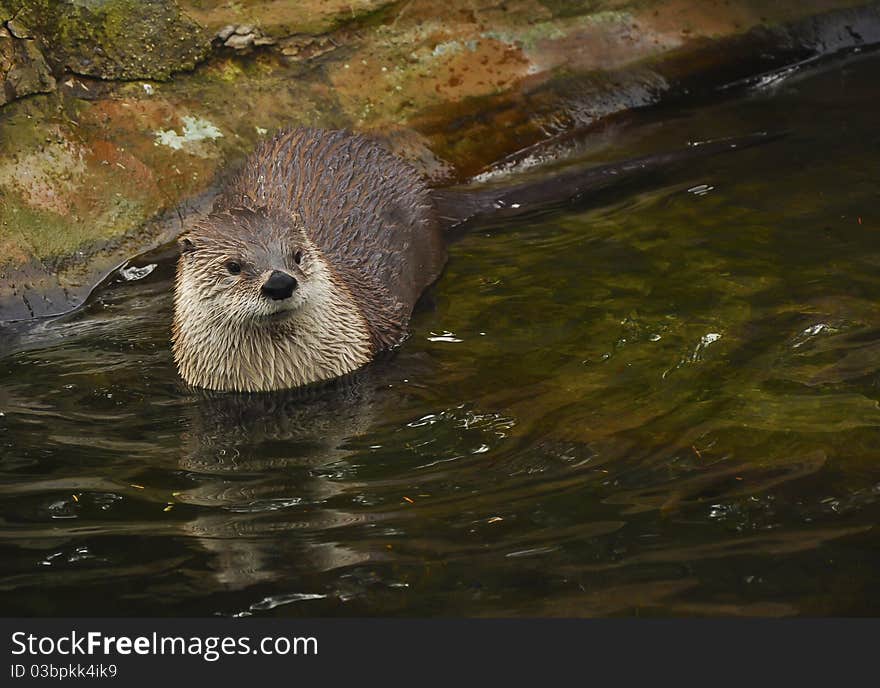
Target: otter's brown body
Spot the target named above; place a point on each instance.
(350, 225)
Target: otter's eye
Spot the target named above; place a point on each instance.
(298, 257)
(233, 267)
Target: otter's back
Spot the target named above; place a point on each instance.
(367, 209)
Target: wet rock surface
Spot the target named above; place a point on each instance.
(118, 145)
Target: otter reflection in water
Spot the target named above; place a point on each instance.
(314, 256)
(263, 464)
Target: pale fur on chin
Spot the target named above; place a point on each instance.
(246, 345)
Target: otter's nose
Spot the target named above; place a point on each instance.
(279, 286)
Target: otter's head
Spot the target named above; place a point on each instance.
(249, 267)
(256, 306)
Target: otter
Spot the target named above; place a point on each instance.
(308, 266)
(316, 252)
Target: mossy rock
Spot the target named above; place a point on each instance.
(115, 39)
(23, 71)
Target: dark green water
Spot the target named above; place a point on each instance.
(662, 401)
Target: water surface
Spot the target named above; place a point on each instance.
(661, 400)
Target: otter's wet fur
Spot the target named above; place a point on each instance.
(352, 223)
(315, 254)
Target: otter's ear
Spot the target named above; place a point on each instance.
(186, 245)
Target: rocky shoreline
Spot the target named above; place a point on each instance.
(119, 118)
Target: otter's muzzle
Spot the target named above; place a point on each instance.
(279, 286)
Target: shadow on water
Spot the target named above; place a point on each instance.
(659, 400)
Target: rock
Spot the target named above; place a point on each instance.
(114, 39)
(239, 42)
(23, 70)
(225, 32)
(17, 29)
(244, 37)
